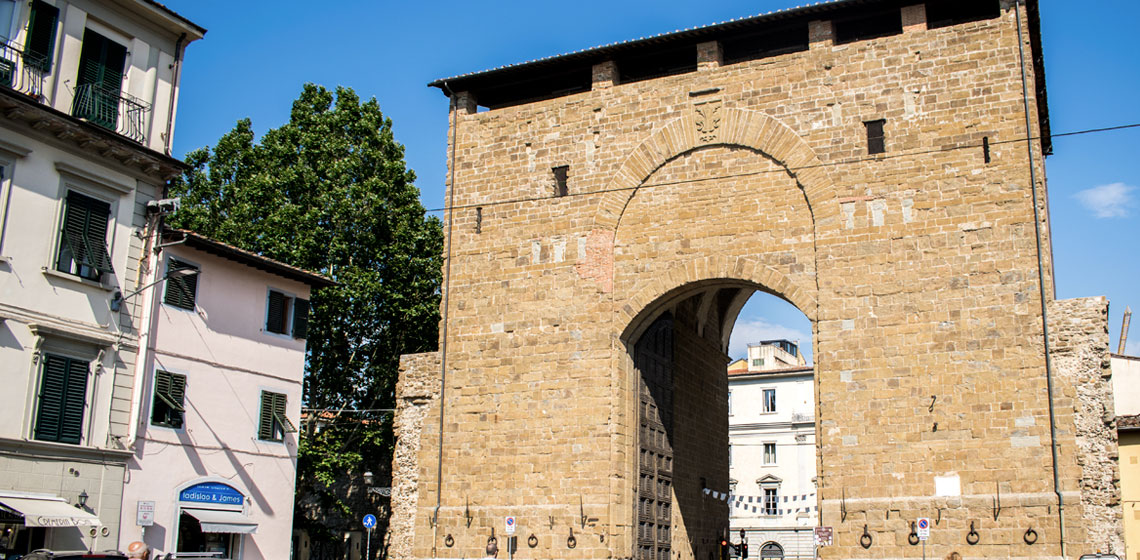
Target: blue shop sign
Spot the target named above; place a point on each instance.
(212, 493)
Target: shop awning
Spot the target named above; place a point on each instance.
(48, 511)
(217, 521)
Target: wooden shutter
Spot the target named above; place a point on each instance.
(49, 408)
(181, 291)
(265, 420)
(100, 80)
(275, 319)
(300, 318)
(279, 402)
(85, 235)
(169, 396)
(62, 399)
(40, 42)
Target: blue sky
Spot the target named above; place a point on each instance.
(258, 54)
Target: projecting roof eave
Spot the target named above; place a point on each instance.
(203, 243)
(536, 69)
(1128, 423)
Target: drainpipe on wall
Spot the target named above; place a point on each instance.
(177, 67)
(148, 276)
(1041, 279)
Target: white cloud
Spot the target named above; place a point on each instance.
(749, 331)
(1113, 200)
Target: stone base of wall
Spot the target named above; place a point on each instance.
(416, 390)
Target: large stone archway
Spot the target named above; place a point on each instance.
(580, 222)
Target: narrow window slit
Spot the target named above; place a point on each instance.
(478, 219)
(986, 148)
(876, 143)
(560, 174)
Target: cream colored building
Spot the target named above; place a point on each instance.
(771, 434)
(1126, 397)
(88, 94)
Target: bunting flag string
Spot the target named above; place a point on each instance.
(743, 502)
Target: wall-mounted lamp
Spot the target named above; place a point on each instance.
(83, 499)
(368, 478)
(118, 298)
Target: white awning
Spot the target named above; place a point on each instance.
(217, 521)
(49, 511)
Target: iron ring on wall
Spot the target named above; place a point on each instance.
(1030, 536)
(866, 540)
(532, 541)
(972, 537)
(912, 538)
(449, 541)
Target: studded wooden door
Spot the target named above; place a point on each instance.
(653, 357)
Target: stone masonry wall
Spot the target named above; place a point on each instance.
(416, 390)
(1079, 345)
(917, 267)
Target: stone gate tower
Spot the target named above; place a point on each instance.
(880, 165)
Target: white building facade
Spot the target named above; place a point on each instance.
(88, 93)
(772, 457)
(214, 463)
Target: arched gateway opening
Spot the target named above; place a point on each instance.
(678, 350)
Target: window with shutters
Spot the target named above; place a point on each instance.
(39, 45)
(83, 237)
(181, 284)
(100, 80)
(287, 315)
(61, 400)
(272, 423)
(169, 397)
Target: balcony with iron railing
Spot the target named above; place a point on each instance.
(111, 109)
(95, 103)
(21, 71)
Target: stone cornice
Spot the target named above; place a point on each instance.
(18, 109)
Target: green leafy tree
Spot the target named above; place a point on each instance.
(329, 192)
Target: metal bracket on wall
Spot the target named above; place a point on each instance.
(843, 506)
(582, 511)
(467, 511)
(997, 501)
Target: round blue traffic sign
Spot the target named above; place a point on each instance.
(369, 521)
(923, 523)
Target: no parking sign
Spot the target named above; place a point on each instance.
(923, 528)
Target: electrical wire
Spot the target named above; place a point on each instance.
(784, 170)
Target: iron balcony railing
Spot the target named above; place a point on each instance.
(23, 72)
(111, 109)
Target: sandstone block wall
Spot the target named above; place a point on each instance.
(917, 268)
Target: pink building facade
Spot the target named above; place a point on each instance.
(214, 437)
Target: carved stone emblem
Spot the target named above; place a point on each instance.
(707, 119)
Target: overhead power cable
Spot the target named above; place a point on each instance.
(782, 170)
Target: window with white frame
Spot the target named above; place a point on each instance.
(769, 453)
(768, 400)
(771, 503)
(287, 315)
(83, 249)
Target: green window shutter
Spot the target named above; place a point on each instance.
(283, 423)
(100, 80)
(275, 318)
(75, 401)
(265, 421)
(40, 42)
(84, 237)
(49, 408)
(300, 318)
(169, 397)
(62, 400)
(181, 291)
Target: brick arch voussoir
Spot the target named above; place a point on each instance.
(750, 129)
(743, 269)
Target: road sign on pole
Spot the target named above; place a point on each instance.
(510, 525)
(923, 528)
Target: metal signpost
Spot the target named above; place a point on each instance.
(923, 529)
(369, 523)
(509, 528)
